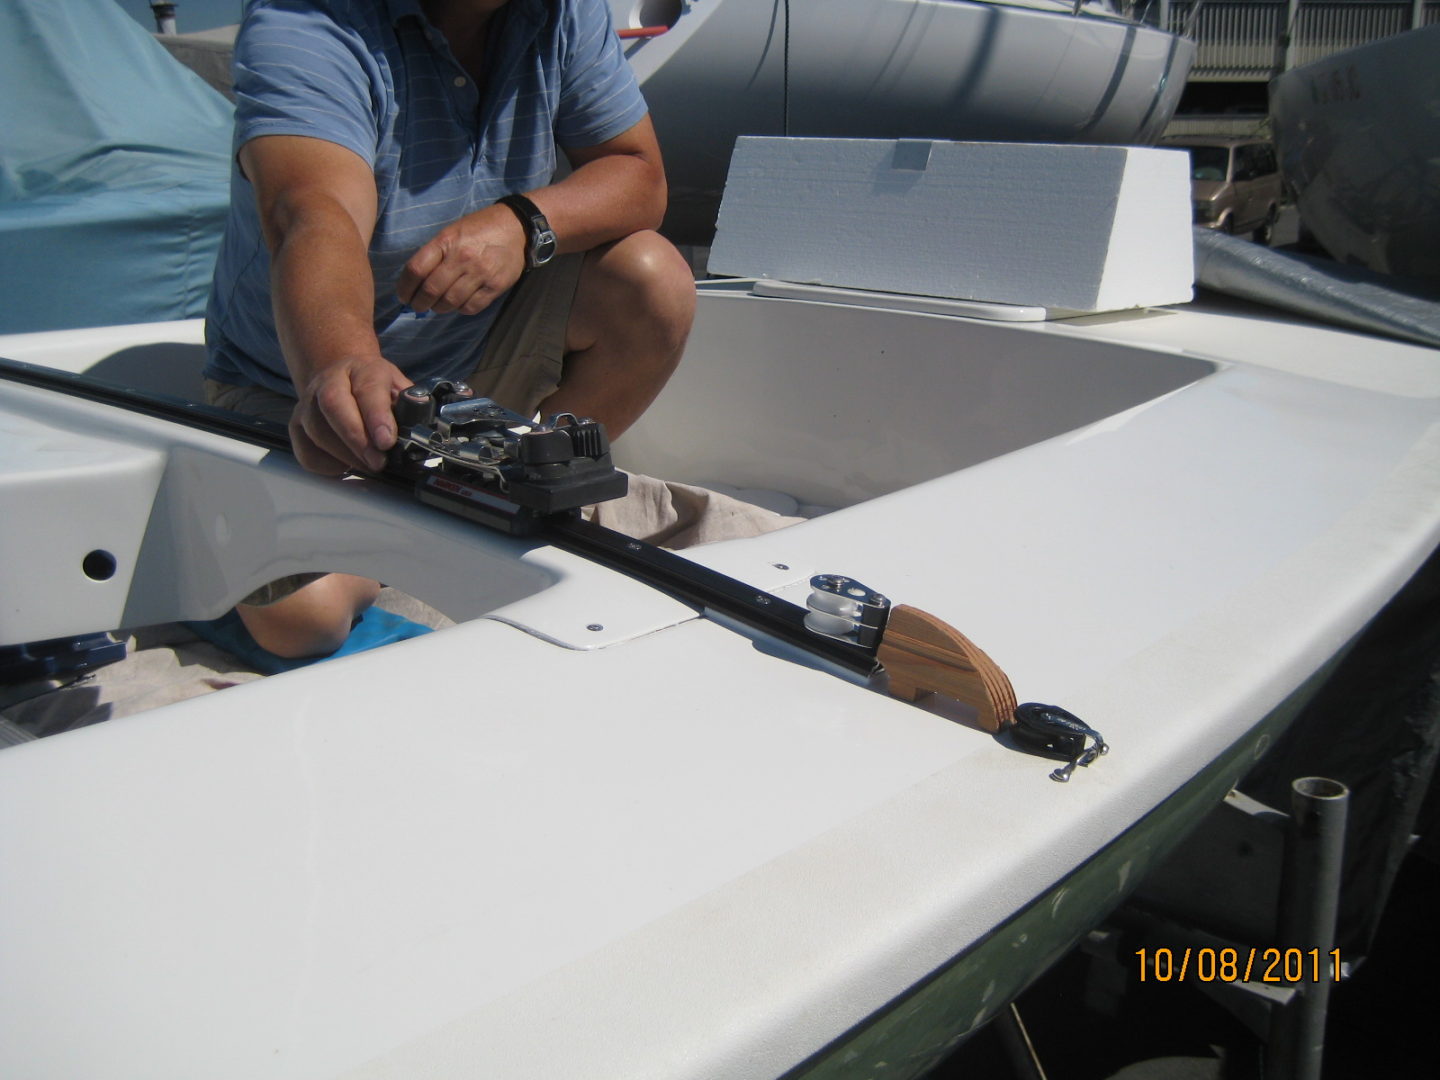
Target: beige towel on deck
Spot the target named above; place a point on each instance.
(680, 515)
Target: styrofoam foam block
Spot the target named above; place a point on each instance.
(1088, 228)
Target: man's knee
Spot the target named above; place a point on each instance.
(314, 620)
(641, 283)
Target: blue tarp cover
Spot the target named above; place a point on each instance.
(114, 171)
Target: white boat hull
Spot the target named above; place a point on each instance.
(524, 847)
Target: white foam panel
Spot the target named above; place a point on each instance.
(1084, 228)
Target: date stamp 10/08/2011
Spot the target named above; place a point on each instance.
(1255, 964)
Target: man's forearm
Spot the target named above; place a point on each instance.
(604, 199)
(316, 202)
(322, 292)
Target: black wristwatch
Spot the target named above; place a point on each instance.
(539, 237)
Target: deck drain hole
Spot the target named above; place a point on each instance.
(99, 565)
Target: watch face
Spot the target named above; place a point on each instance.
(542, 249)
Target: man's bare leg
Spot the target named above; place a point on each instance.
(633, 308)
(314, 620)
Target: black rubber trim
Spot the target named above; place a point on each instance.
(266, 433)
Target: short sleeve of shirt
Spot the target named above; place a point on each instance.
(300, 70)
(599, 98)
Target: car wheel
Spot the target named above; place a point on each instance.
(1265, 234)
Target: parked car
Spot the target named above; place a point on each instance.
(1235, 183)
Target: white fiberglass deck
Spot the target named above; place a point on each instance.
(522, 848)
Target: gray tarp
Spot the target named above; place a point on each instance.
(1318, 287)
(114, 171)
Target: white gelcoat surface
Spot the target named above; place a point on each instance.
(681, 856)
(45, 473)
(360, 860)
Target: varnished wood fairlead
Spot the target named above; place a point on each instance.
(924, 654)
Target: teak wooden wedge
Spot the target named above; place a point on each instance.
(924, 654)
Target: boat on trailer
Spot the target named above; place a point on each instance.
(598, 829)
(1017, 70)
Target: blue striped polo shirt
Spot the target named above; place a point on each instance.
(376, 77)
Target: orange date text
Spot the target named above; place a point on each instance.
(1262, 965)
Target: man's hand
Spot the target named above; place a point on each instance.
(345, 416)
(466, 265)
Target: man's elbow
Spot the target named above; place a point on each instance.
(655, 209)
(293, 214)
(651, 190)
(657, 200)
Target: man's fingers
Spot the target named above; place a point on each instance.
(464, 268)
(335, 408)
(453, 298)
(321, 435)
(478, 300)
(377, 411)
(313, 457)
(346, 417)
(336, 425)
(430, 294)
(421, 265)
(468, 294)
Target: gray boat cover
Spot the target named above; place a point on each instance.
(114, 171)
(1317, 287)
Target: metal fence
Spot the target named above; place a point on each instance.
(1248, 39)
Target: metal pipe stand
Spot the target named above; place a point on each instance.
(1309, 902)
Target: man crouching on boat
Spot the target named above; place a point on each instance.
(392, 218)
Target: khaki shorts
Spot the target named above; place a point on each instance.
(520, 367)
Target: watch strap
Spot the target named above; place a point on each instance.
(539, 237)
